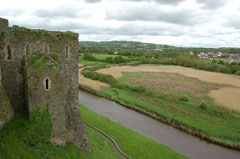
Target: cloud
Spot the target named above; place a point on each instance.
(66, 12)
(213, 4)
(146, 12)
(11, 11)
(92, 1)
(233, 22)
(61, 11)
(175, 22)
(169, 2)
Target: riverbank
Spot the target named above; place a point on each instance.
(214, 124)
(14, 144)
(130, 142)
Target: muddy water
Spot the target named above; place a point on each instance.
(181, 142)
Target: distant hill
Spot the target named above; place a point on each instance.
(124, 45)
(140, 46)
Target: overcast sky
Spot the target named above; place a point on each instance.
(198, 23)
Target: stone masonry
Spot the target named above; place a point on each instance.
(39, 68)
(6, 111)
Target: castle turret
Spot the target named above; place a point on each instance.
(3, 23)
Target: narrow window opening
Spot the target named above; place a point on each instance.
(69, 120)
(27, 49)
(9, 54)
(47, 82)
(67, 52)
(47, 107)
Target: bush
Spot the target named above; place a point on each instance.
(89, 57)
(109, 60)
(135, 63)
(149, 93)
(184, 98)
(120, 85)
(203, 106)
(139, 88)
(41, 128)
(237, 73)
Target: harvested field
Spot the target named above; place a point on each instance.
(171, 83)
(212, 77)
(95, 85)
(227, 97)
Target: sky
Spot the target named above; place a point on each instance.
(188, 23)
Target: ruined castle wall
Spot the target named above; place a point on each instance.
(25, 87)
(6, 111)
(59, 44)
(70, 72)
(12, 77)
(22, 41)
(3, 23)
(51, 99)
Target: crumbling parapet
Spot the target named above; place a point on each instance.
(3, 23)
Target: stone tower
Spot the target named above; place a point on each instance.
(40, 69)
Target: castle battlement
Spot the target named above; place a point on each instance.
(3, 23)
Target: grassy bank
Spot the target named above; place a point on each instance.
(132, 143)
(13, 144)
(188, 107)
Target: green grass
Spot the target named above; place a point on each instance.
(13, 144)
(132, 143)
(100, 59)
(14, 140)
(214, 123)
(207, 61)
(89, 63)
(104, 56)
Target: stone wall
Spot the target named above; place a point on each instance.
(25, 87)
(3, 23)
(50, 98)
(6, 111)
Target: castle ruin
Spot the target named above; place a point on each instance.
(39, 68)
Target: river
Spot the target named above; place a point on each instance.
(186, 144)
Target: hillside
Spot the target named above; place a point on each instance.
(123, 45)
(134, 45)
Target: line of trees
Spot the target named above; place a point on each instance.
(193, 62)
(110, 60)
(181, 60)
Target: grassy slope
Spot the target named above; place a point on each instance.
(12, 145)
(215, 123)
(132, 143)
(13, 137)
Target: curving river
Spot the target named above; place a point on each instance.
(188, 145)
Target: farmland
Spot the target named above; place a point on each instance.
(230, 100)
(183, 97)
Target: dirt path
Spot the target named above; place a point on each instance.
(111, 140)
(87, 82)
